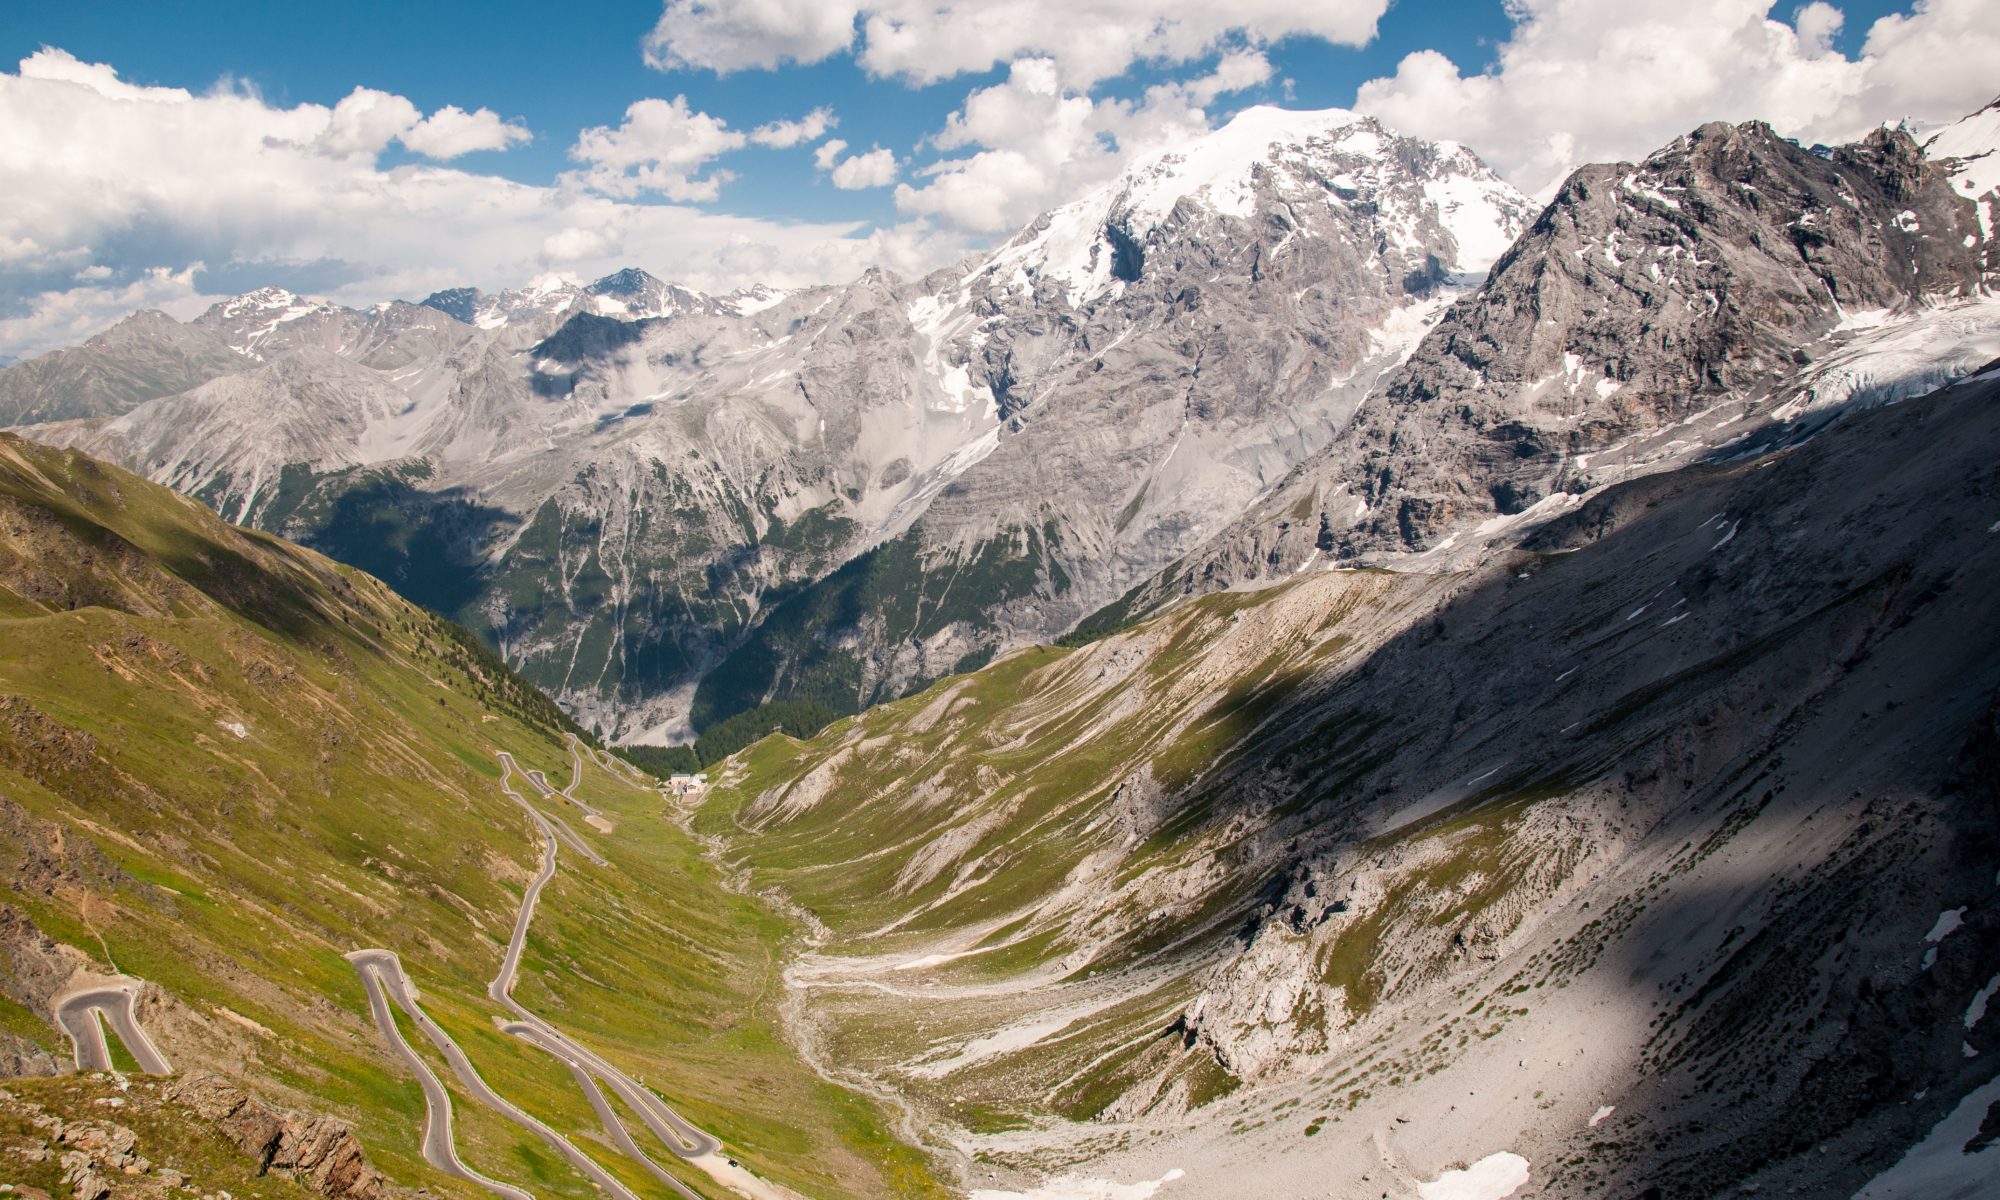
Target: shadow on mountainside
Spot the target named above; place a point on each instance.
(1764, 694)
(428, 545)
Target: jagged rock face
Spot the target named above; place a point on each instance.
(1645, 295)
(1970, 150)
(630, 294)
(619, 481)
(1203, 308)
(145, 356)
(1156, 354)
(269, 324)
(319, 1152)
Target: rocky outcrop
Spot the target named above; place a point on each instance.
(19, 1056)
(1671, 294)
(99, 1138)
(317, 1151)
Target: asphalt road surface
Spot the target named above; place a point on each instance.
(387, 971)
(77, 1014)
(382, 976)
(378, 968)
(678, 1135)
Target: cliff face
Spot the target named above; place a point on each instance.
(1648, 311)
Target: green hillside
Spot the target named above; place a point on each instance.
(226, 762)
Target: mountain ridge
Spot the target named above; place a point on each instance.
(791, 433)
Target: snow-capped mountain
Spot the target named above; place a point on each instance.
(630, 294)
(1275, 343)
(1970, 148)
(1656, 311)
(1046, 424)
(1421, 201)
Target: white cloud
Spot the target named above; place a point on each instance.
(828, 153)
(1599, 80)
(451, 131)
(730, 35)
(1038, 144)
(923, 41)
(1818, 23)
(659, 147)
(877, 168)
(574, 244)
(366, 121)
(1941, 61)
(1235, 71)
(781, 135)
(121, 197)
(66, 316)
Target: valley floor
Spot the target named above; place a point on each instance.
(1612, 865)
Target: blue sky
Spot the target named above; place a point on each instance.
(172, 152)
(562, 72)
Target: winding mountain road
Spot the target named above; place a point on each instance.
(606, 1115)
(674, 1131)
(383, 978)
(388, 972)
(509, 768)
(542, 784)
(378, 968)
(77, 1014)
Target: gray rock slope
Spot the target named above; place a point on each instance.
(1658, 850)
(1764, 704)
(666, 506)
(1648, 311)
(1156, 356)
(143, 357)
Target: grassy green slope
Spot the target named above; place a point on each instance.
(1344, 827)
(358, 806)
(1063, 831)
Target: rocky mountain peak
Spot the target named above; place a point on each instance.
(1970, 150)
(636, 295)
(1650, 308)
(459, 303)
(245, 322)
(1421, 200)
(628, 281)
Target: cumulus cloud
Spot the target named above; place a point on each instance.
(1594, 80)
(659, 147)
(66, 315)
(1818, 23)
(121, 197)
(877, 168)
(923, 41)
(781, 135)
(451, 131)
(1935, 63)
(1037, 143)
(730, 35)
(366, 121)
